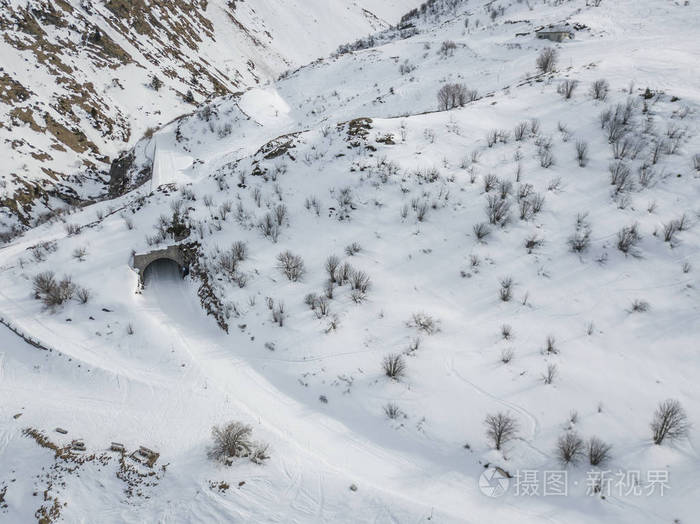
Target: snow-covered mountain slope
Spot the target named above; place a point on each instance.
(82, 80)
(505, 271)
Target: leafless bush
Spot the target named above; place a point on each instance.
(582, 153)
(533, 242)
(490, 182)
(505, 293)
(481, 231)
(647, 175)
(695, 161)
(79, 253)
(278, 313)
(507, 355)
(72, 229)
(598, 452)
(519, 131)
(627, 240)
(234, 440)
(599, 89)
(497, 210)
(566, 88)
(547, 60)
(447, 48)
(332, 263)
(500, 428)
(43, 283)
(670, 422)
(353, 249)
(505, 188)
(620, 176)
(580, 241)
(546, 157)
(83, 295)
(615, 129)
(506, 331)
(393, 412)
(551, 346)
(291, 265)
(343, 273)
(550, 374)
(406, 67)
(425, 323)
(269, 227)
(639, 306)
(394, 366)
(570, 448)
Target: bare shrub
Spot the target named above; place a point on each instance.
(43, 282)
(72, 229)
(670, 422)
(83, 295)
(269, 227)
(639, 306)
(570, 448)
(566, 88)
(520, 130)
(497, 210)
(547, 60)
(52, 292)
(598, 452)
(551, 374)
(551, 346)
(490, 182)
(546, 157)
(506, 291)
(332, 263)
(481, 231)
(500, 428)
(393, 412)
(582, 153)
(353, 249)
(424, 322)
(234, 440)
(627, 240)
(291, 265)
(394, 366)
(599, 89)
(506, 331)
(580, 241)
(507, 355)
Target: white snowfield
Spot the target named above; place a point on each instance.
(151, 368)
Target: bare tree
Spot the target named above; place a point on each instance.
(500, 428)
(599, 89)
(670, 422)
(454, 95)
(547, 60)
(598, 451)
(566, 88)
(235, 440)
(569, 448)
(291, 265)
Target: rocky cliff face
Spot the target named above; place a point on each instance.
(82, 80)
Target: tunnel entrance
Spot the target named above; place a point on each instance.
(163, 270)
(161, 264)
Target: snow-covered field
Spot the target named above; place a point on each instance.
(348, 157)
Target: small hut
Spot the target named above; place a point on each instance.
(557, 33)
